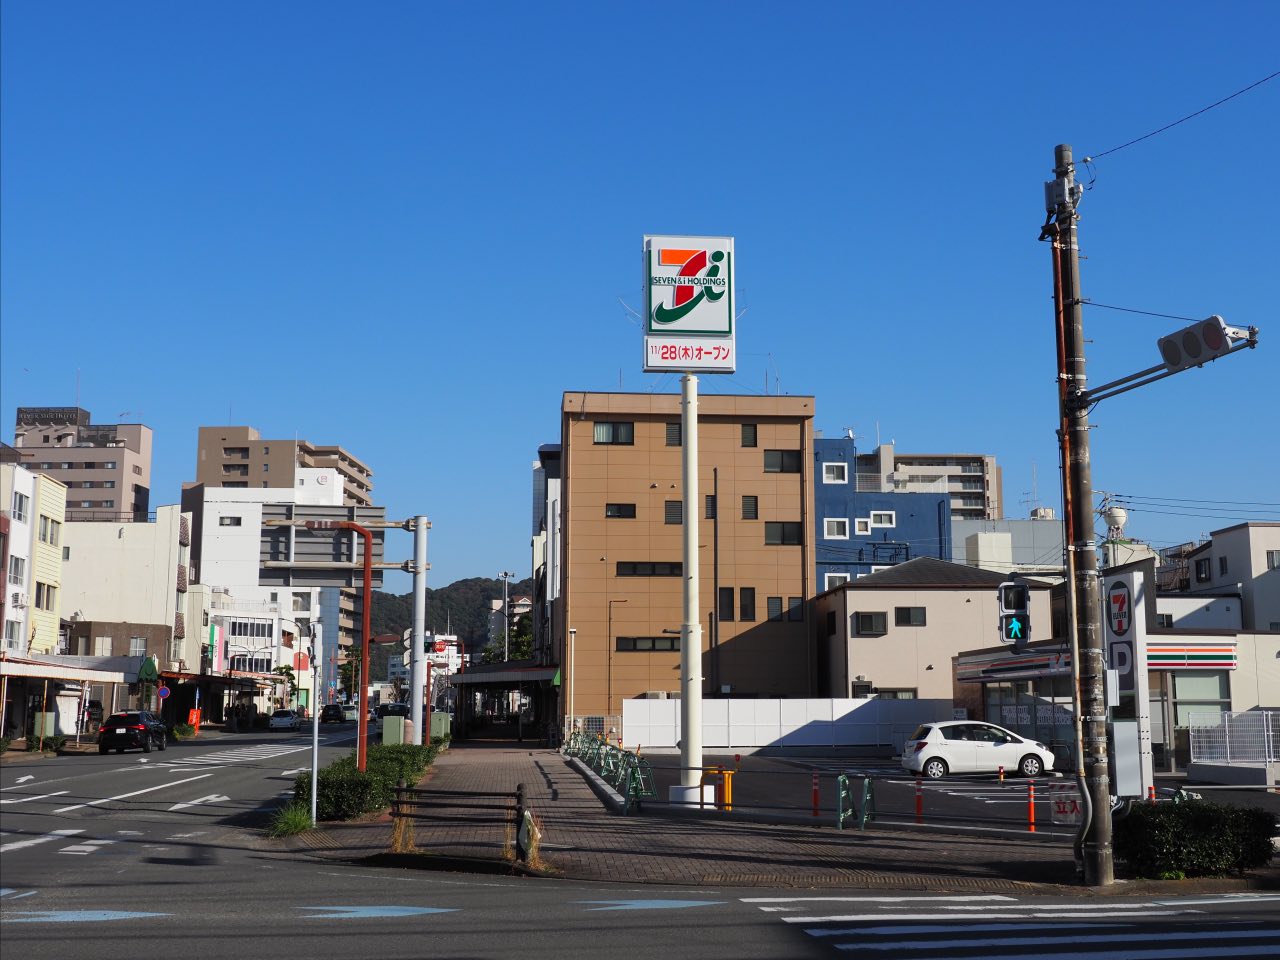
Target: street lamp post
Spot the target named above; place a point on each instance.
(506, 576)
(573, 677)
(609, 645)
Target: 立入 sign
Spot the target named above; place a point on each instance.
(689, 304)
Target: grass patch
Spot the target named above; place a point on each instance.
(295, 818)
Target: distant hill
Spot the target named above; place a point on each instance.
(461, 608)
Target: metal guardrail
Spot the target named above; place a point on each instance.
(460, 806)
(625, 771)
(1248, 736)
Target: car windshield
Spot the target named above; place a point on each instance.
(283, 713)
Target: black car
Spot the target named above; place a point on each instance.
(132, 729)
(331, 713)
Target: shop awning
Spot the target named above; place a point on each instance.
(507, 677)
(51, 669)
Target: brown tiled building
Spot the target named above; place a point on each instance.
(239, 457)
(622, 573)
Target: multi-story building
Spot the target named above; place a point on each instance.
(973, 480)
(1243, 560)
(238, 457)
(17, 496)
(620, 608)
(48, 510)
(859, 532)
(1033, 546)
(106, 468)
(546, 550)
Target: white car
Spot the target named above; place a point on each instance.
(971, 746)
(285, 720)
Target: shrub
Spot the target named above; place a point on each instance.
(183, 731)
(294, 818)
(4, 744)
(1194, 839)
(51, 744)
(343, 792)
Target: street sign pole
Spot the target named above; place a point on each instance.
(317, 634)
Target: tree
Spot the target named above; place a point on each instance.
(287, 672)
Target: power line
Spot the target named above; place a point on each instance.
(1183, 120)
(1145, 313)
(1179, 500)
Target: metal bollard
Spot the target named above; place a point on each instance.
(1151, 794)
(1001, 780)
(1031, 806)
(919, 801)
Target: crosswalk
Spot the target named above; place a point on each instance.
(222, 758)
(995, 926)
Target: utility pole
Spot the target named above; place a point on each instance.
(1088, 661)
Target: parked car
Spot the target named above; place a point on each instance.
(332, 713)
(285, 720)
(132, 730)
(392, 710)
(967, 746)
(350, 711)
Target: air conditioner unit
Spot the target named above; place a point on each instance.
(18, 598)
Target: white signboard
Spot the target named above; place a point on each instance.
(689, 322)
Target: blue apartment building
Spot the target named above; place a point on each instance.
(860, 531)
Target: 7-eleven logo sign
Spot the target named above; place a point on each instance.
(1119, 608)
(690, 287)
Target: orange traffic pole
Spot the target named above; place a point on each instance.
(1031, 806)
(919, 801)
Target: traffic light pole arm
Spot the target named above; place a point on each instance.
(1088, 398)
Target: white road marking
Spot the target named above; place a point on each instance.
(968, 943)
(125, 796)
(56, 835)
(89, 846)
(43, 796)
(186, 836)
(211, 798)
(800, 901)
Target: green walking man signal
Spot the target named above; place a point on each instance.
(1015, 617)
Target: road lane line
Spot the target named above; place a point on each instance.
(125, 796)
(56, 835)
(43, 796)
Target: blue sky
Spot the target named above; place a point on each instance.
(406, 228)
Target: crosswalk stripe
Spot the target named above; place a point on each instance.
(1038, 915)
(969, 943)
(56, 835)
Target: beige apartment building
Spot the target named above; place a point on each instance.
(106, 468)
(973, 480)
(239, 457)
(621, 591)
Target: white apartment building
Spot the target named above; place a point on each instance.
(34, 506)
(1245, 560)
(17, 495)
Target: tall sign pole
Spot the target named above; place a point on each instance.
(417, 651)
(690, 328)
(1061, 198)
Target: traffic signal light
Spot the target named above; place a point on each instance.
(1199, 343)
(1015, 617)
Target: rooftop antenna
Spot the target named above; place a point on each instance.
(1032, 497)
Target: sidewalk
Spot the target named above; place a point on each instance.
(582, 840)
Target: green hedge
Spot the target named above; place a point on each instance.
(51, 744)
(4, 744)
(343, 792)
(1194, 839)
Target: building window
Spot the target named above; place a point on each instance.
(620, 511)
(235, 453)
(782, 533)
(748, 434)
(673, 434)
(46, 596)
(862, 526)
(109, 484)
(20, 503)
(908, 616)
(1222, 566)
(1273, 559)
(724, 605)
(835, 473)
(710, 506)
(109, 465)
(1164, 621)
(229, 521)
(747, 604)
(870, 624)
(266, 468)
(301, 602)
(750, 508)
(835, 528)
(17, 570)
(773, 607)
(673, 512)
(795, 608)
(646, 644)
(1202, 570)
(900, 693)
(883, 518)
(645, 568)
(49, 529)
(782, 461)
(66, 553)
(618, 433)
(834, 580)
(12, 632)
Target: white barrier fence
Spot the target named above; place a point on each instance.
(1251, 736)
(783, 723)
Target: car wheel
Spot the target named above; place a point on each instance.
(103, 749)
(164, 740)
(1030, 766)
(146, 744)
(934, 768)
